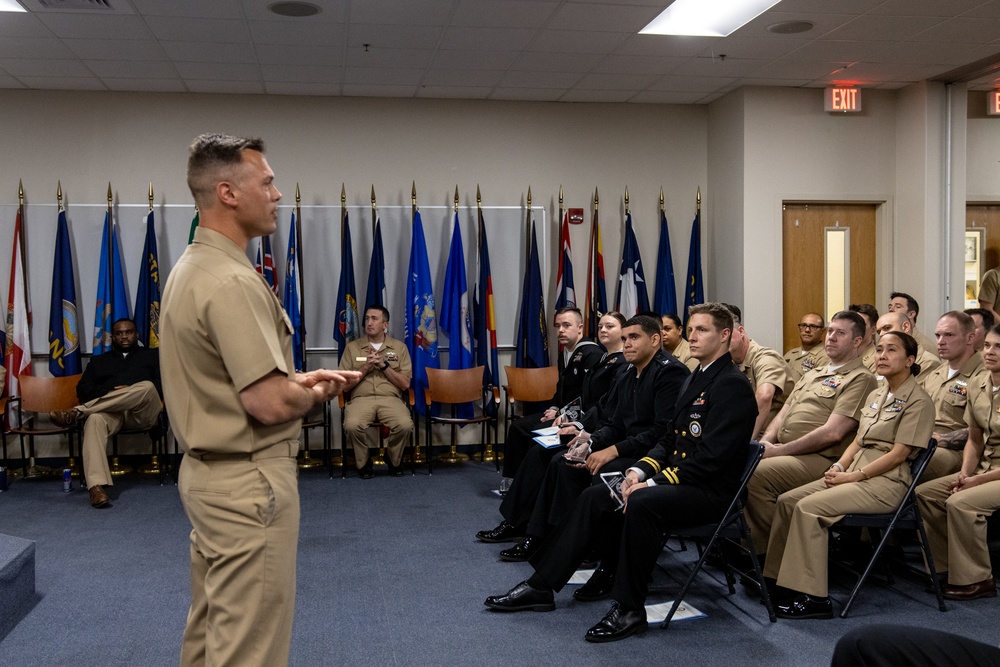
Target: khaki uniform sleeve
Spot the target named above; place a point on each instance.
(990, 287)
(771, 368)
(405, 367)
(916, 423)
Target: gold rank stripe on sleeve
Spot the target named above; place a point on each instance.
(652, 462)
(671, 475)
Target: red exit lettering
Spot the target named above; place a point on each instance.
(843, 99)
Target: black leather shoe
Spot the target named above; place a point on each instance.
(521, 551)
(522, 597)
(617, 624)
(395, 471)
(597, 587)
(805, 606)
(505, 532)
(366, 472)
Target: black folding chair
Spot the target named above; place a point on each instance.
(733, 530)
(907, 516)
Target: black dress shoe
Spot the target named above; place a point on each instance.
(597, 587)
(521, 551)
(805, 606)
(522, 597)
(617, 624)
(366, 471)
(395, 471)
(505, 532)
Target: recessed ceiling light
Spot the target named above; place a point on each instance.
(295, 9)
(706, 18)
(790, 27)
(11, 6)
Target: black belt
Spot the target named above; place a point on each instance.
(287, 449)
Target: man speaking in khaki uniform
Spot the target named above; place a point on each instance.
(236, 405)
(384, 365)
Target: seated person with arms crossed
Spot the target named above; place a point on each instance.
(872, 476)
(119, 389)
(689, 478)
(378, 397)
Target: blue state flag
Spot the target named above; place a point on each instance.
(64, 332)
(421, 334)
(485, 320)
(532, 331)
(112, 299)
(375, 294)
(665, 294)
(147, 295)
(632, 295)
(455, 318)
(346, 327)
(694, 290)
(293, 296)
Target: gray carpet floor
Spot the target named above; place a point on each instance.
(389, 573)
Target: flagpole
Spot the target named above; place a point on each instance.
(111, 262)
(418, 455)
(374, 213)
(302, 280)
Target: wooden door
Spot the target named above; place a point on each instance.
(803, 257)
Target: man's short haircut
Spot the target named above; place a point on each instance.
(866, 309)
(858, 325)
(995, 329)
(722, 317)
(122, 319)
(822, 322)
(649, 325)
(575, 311)
(737, 313)
(673, 318)
(911, 303)
(965, 321)
(988, 320)
(381, 309)
(212, 158)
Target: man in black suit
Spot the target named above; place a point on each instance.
(579, 355)
(688, 479)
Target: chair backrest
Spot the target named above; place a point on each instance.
(531, 385)
(754, 454)
(40, 394)
(454, 386)
(921, 461)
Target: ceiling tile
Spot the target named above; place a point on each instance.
(390, 58)
(463, 78)
(209, 52)
(455, 92)
(218, 71)
(132, 69)
(663, 45)
(396, 36)
(665, 97)
(493, 39)
(10, 82)
(762, 48)
(224, 86)
(145, 85)
(117, 49)
(786, 69)
(691, 84)
(925, 7)
(824, 50)
(45, 68)
(22, 25)
(369, 90)
(382, 77)
(553, 80)
(90, 26)
(962, 31)
(603, 17)
(33, 47)
(603, 81)
(557, 62)
(216, 9)
(503, 13)
(913, 52)
(411, 12)
(183, 29)
(301, 74)
(527, 94)
(598, 96)
(577, 41)
(284, 32)
(476, 60)
(638, 64)
(764, 81)
(823, 23)
(335, 11)
(293, 88)
(718, 66)
(305, 54)
(62, 83)
(882, 28)
(987, 10)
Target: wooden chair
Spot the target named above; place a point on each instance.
(320, 420)
(414, 458)
(39, 396)
(456, 387)
(527, 385)
(158, 437)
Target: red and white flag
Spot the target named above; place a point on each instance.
(17, 356)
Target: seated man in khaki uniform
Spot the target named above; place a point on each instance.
(948, 386)
(901, 302)
(955, 507)
(896, 321)
(384, 364)
(673, 341)
(811, 353)
(984, 321)
(764, 367)
(870, 315)
(119, 389)
(814, 427)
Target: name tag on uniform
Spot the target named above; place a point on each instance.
(360, 358)
(833, 382)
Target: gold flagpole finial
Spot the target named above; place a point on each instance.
(151, 195)
(560, 198)
(343, 196)
(59, 194)
(529, 199)
(596, 200)
(373, 196)
(699, 199)
(413, 196)
(20, 192)
(661, 198)
(456, 198)
(626, 199)
(109, 195)
(298, 197)
(479, 197)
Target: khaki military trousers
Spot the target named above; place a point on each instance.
(133, 407)
(361, 412)
(956, 528)
(943, 462)
(245, 529)
(798, 549)
(773, 477)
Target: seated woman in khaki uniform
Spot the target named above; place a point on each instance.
(871, 477)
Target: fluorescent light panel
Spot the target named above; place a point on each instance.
(706, 18)
(11, 6)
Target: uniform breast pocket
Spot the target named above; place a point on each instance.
(826, 392)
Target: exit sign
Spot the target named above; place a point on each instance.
(993, 103)
(842, 99)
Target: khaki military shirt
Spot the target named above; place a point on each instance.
(683, 354)
(950, 396)
(983, 411)
(376, 383)
(868, 358)
(822, 392)
(221, 330)
(764, 365)
(928, 362)
(907, 417)
(989, 289)
(801, 361)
